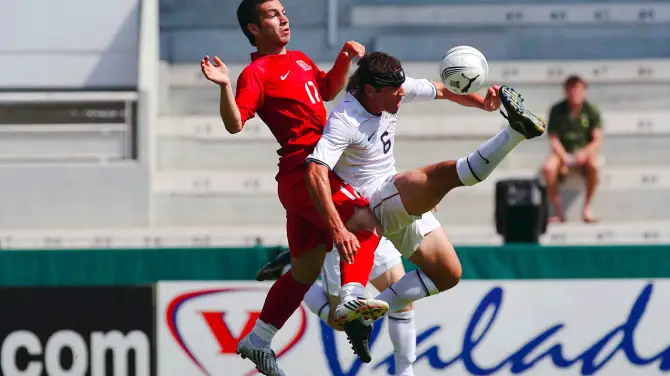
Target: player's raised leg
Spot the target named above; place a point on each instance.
(424, 242)
(422, 189)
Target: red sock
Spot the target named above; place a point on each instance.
(282, 300)
(359, 271)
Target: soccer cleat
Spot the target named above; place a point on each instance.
(519, 118)
(367, 308)
(358, 335)
(273, 269)
(264, 358)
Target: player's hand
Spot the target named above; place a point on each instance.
(346, 244)
(353, 49)
(215, 71)
(492, 100)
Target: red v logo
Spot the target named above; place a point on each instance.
(227, 342)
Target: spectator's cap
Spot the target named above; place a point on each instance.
(574, 79)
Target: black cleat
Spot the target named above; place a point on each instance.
(519, 118)
(274, 268)
(358, 335)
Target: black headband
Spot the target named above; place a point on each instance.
(396, 78)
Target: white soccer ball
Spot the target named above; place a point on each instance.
(464, 70)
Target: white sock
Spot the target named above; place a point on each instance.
(403, 335)
(317, 302)
(262, 334)
(351, 291)
(479, 165)
(411, 287)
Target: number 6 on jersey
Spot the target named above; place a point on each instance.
(386, 142)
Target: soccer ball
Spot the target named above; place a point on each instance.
(464, 70)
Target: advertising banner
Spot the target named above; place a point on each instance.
(76, 331)
(544, 327)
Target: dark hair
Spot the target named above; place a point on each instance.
(374, 64)
(247, 13)
(354, 81)
(573, 80)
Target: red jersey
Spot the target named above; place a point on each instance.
(285, 91)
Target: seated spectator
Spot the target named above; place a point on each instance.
(575, 131)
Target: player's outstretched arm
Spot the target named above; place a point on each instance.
(218, 73)
(337, 77)
(489, 103)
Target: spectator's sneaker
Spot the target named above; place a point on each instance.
(519, 118)
(367, 308)
(358, 335)
(264, 358)
(273, 269)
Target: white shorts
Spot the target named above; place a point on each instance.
(404, 230)
(386, 257)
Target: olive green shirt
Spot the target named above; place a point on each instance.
(574, 132)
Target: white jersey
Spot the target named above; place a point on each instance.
(358, 146)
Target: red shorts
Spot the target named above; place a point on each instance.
(304, 227)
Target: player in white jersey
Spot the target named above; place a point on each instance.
(357, 144)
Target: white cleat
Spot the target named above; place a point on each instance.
(367, 308)
(264, 358)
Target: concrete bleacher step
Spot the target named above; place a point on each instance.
(176, 152)
(398, 14)
(428, 124)
(247, 198)
(611, 84)
(626, 205)
(188, 101)
(546, 72)
(208, 209)
(573, 233)
(515, 42)
(241, 182)
(623, 232)
(144, 237)
(539, 98)
(199, 14)
(467, 209)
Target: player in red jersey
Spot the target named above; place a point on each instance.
(286, 89)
